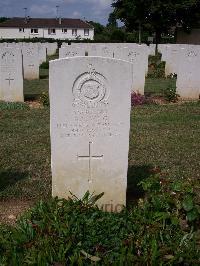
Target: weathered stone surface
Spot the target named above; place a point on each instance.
(90, 121)
(11, 79)
(188, 74)
(42, 50)
(51, 48)
(31, 62)
(139, 58)
(71, 51)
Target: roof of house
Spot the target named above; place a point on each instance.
(45, 23)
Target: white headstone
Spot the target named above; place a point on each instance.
(90, 120)
(42, 50)
(139, 58)
(51, 48)
(71, 51)
(100, 50)
(11, 79)
(31, 62)
(188, 74)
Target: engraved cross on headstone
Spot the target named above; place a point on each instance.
(9, 79)
(90, 157)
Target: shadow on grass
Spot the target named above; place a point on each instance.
(9, 178)
(136, 174)
(43, 76)
(32, 97)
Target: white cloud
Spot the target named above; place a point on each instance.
(42, 10)
(103, 4)
(76, 14)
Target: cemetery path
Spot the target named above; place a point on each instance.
(12, 208)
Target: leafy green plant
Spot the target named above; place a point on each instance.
(191, 208)
(76, 231)
(171, 95)
(13, 106)
(173, 200)
(44, 99)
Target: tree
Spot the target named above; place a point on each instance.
(132, 13)
(112, 21)
(3, 19)
(117, 35)
(98, 28)
(157, 16)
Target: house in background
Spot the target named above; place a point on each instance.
(55, 28)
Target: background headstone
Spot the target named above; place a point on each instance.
(71, 52)
(11, 79)
(31, 62)
(188, 74)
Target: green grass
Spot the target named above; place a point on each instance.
(162, 136)
(44, 73)
(25, 154)
(53, 57)
(167, 136)
(156, 83)
(154, 230)
(158, 86)
(34, 88)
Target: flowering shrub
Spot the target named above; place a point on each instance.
(137, 99)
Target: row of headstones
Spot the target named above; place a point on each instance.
(131, 52)
(20, 61)
(184, 61)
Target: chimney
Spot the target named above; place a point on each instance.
(60, 20)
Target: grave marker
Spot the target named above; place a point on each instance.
(31, 62)
(11, 79)
(90, 120)
(188, 74)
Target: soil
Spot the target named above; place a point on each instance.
(10, 210)
(34, 104)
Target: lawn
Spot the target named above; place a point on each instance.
(164, 136)
(164, 153)
(157, 86)
(161, 136)
(153, 230)
(34, 88)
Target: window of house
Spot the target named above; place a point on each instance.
(34, 31)
(21, 29)
(86, 32)
(51, 31)
(74, 32)
(64, 30)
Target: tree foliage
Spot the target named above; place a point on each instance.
(157, 15)
(112, 21)
(2, 19)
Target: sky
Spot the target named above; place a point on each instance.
(96, 10)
